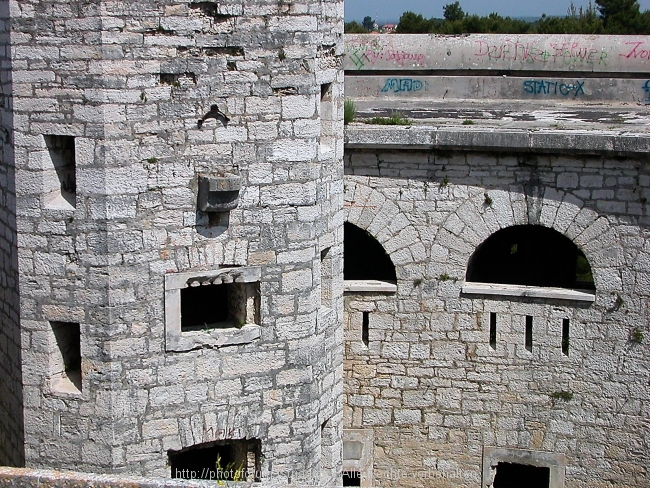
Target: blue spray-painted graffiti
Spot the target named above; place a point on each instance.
(397, 85)
(545, 87)
(646, 88)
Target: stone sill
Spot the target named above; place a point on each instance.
(372, 286)
(215, 338)
(362, 136)
(472, 288)
(66, 385)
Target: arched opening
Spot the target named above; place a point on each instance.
(364, 258)
(530, 255)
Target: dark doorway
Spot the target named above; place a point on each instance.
(530, 255)
(231, 460)
(512, 475)
(363, 257)
(351, 478)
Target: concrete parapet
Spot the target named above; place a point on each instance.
(526, 52)
(487, 139)
(32, 478)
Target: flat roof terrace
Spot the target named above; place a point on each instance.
(576, 93)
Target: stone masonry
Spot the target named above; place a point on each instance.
(432, 397)
(121, 110)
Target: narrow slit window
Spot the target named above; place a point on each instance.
(493, 330)
(529, 333)
(65, 365)
(326, 278)
(60, 181)
(565, 337)
(365, 326)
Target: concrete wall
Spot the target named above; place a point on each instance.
(484, 67)
(12, 451)
(428, 384)
(156, 94)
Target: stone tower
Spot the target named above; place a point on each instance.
(176, 233)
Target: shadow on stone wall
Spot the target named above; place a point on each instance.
(12, 449)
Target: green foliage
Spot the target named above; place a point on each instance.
(349, 111)
(453, 11)
(282, 55)
(488, 199)
(368, 23)
(152, 160)
(397, 118)
(410, 23)
(468, 122)
(444, 182)
(444, 277)
(605, 17)
(637, 335)
(562, 395)
(229, 472)
(583, 270)
(354, 27)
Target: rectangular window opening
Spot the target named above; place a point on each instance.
(228, 460)
(365, 328)
(326, 92)
(565, 337)
(493, 330)
(219, 306)
(510, 475)
(65, 366)
(351, 478)
(529, 333)
(60, 181)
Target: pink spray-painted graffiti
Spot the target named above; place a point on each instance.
(567, 53)
(364, 53)
(635, 51)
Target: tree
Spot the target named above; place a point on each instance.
(452, 11)
(354, 27)
(368, 23)
(410, 23)
(620, 16)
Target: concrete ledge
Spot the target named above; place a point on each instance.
(472, 288)
(372, 286)
(521, 52)
(360, 136)
(32, 478)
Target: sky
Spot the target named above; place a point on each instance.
(384, 11)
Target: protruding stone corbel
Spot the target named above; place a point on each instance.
(219, 193)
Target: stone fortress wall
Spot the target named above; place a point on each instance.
(206, 147)
(164, 148)
(444, 380)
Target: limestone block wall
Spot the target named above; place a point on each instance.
(429, 385)
(120, 109)
(11, 398)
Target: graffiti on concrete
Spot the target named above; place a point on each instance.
(646, 88)
(567, 53)
(363, 53)
(398, 85)
(547, 87)
(634, 52)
